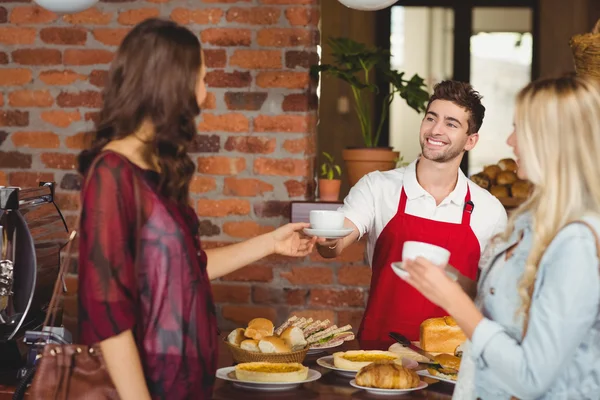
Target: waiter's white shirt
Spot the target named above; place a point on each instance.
(374, 201)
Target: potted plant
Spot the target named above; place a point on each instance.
(355, 63)
(329, 187)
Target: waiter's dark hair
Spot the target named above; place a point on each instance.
(463, 95)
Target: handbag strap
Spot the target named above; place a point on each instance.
(64, 266)
(596, 237)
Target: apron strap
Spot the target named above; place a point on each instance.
(468, 209)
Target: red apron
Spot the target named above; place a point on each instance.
(394, 305)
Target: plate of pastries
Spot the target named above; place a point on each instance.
(387, 377)
(501, 181)
(348, 363)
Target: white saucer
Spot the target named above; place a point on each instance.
(426, 373)
(421, 386)
(328, 233)
(327, 362)
(322, 349)
(228, 374)
(401, 272)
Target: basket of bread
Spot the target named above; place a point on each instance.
(501, 180)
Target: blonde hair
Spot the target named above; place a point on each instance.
(557, 125)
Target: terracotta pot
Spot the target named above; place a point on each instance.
(329, 189)
(360, 162)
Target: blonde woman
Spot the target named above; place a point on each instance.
(535, 330)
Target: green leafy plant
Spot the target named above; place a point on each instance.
(354, 63)
(329, 167)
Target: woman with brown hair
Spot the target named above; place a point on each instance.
(144, 281)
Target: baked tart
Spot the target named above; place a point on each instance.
(354, 360)
(271, 372)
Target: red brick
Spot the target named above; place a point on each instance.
(251, 144)
(59, 118)
(309, 276)
(59, 160)
(215, 58)
(67, 201)
(1, 100)
(29, 179)
(251, 273)
(297, 188)
(300, 102)
(3, 180)
(137, 15)
(233, 122)
(302, 16)
(31, 15)
(91, 16)
(92, 116)
(201, 17)
(226, 1)
(301, 59)
(315, 314)
(245, 229)
(227, 293)
(222, 79)
(57, 35)
(87, 98)
(282, 167)
(254, 15)
(245, 187)
(227, 36)
(36, 140)
(15, 76)
(350, 317)
(241, 315)
(3, 15)
(205, 144)
(354, 253)
(359, 275)
(273, 208)
(3, 58)
(206, 228)
(79, 141)
(37, 56)
(222, 208)
(337, 298)
(56, 77)
(256, 59)
(14, 35)
(30, 98)
(285, 37)
(221, 165)
(14, 118)
(110, 36)
(210, 103)
(290, 1)
(280, 123)
(249, 101)
(283, 79)
(88, 56)
(267, 295)
(98, 77)
(300, 146)
(296, 297)
(14, 159)
(202, 184)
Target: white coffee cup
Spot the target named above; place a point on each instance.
(326, 219)
(436, 254)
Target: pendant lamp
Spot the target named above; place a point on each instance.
(367, 5)
(66, 6)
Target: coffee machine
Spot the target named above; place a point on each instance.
(32, 235)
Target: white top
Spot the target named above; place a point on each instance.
(374, 200)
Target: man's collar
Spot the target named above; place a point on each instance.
(414, 190)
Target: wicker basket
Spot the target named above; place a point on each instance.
(586, 52)
(240, 356)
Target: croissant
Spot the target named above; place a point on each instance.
(387, 375)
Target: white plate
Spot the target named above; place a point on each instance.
(401, 272)
(228, 374)
(322, 349)
(328, 233)
(426, 373)
(421, 386)
(327, 362)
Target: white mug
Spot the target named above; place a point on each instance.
(326, 219)
(436, 254)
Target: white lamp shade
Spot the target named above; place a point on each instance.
(367, 5)
(66, 6)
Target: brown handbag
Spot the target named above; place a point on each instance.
(74, 371)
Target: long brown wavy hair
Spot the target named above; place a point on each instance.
(153, 77)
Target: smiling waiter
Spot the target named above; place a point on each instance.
(431, 201)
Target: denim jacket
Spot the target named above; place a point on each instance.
(559, 358)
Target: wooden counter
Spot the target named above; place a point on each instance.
(329, 387)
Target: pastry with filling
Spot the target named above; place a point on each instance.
(506, 178)
(387, 375)
(521, 189)
(271, 372)
(492, 171)
(447, 367)
(482, 180)
(508, 164)
(354, 360)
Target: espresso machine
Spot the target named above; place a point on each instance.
(32, 235)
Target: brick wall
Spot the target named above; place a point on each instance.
(256, 145)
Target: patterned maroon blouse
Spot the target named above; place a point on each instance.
(165, 299)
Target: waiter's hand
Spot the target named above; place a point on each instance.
(432, 281)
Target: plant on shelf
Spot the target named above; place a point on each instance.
(355, 63)
(329, 187)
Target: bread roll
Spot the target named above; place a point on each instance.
(506, 178)
(273, 344)
(387, 375)
(482, 180)
(508, 164)
(250, 345)
(236, 337)
(500, 191)
(259, 328)
(293, 337)
(521, 189)
(441, 335)
(492, 171)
